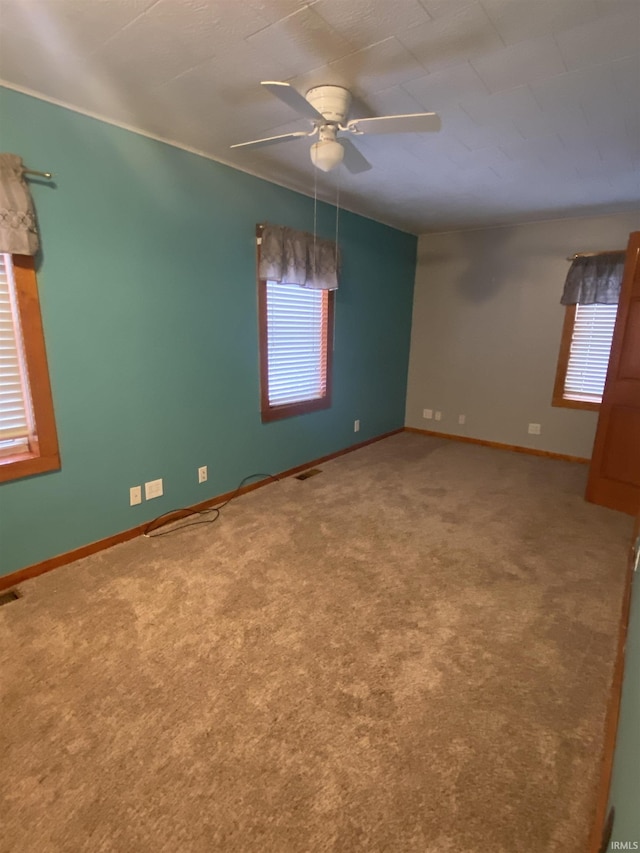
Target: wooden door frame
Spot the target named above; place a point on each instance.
(615, 494)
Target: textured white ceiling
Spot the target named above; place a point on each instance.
(539, 99)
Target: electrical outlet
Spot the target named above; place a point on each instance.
(202, 474)
(427, 413)
(135, 495)
(534, 429)
(462, 419)
(438, 416)
(356, 426)
(153, 489)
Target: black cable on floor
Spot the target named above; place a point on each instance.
(157, 523)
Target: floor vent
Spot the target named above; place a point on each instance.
(9, 596)
(310, 473)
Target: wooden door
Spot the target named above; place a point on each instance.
(614, 475)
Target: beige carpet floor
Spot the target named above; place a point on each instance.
(410, 652)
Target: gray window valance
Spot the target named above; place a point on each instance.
(297, 257)
(18, 229)
(597, 278)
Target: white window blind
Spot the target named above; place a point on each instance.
(589, 354)
(296, 355)
(15, 405)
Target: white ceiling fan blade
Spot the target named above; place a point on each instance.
(293, 99)
(412, 123)
(270, 140)
(353, 160)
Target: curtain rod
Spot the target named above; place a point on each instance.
(46, 175)
(595, 254)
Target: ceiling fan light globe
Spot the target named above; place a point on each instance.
(326, 154)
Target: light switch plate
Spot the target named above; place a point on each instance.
(153, 489)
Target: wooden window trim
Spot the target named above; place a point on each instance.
(563, 362)
(269, 412)
(43, 454)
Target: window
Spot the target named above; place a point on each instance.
(584, 355)
(296, 334)
(28, 441)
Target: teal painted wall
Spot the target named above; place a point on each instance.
(148, 292)
(625, 782)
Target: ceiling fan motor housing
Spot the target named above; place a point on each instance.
(332, 102)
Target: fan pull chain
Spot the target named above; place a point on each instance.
(315, 216)
(339, 171)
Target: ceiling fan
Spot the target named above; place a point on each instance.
(327, 107)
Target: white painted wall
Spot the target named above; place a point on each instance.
(486, 329)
